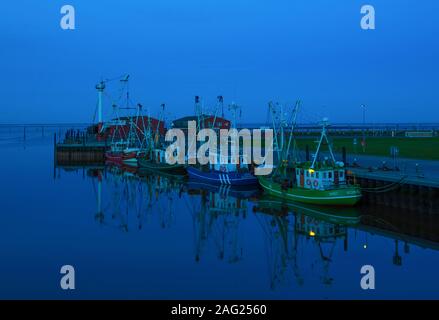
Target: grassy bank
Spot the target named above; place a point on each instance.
(416, 148)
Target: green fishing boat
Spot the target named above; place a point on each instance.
(314, 192)
(319, 182)
(156, 161)
(346, 216)
(172, 175)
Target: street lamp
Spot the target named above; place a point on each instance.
(363, 142)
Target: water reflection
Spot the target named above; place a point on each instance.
(217, 212)
(134, 197)
(288, 225)
(301, 241)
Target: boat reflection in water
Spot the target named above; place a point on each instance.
(301, 245)
(135, 192)
(218, 214)
(286, 224)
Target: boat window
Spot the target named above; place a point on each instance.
(341, 174)
(307, 173)
(330, 175)
(317, 175)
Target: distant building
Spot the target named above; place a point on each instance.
(120, 128)
(208, 121)
(419, 134)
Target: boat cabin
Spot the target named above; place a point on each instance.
(224, 164)
(320, 177)
(311, 227)
(159, 156)
(119, 146)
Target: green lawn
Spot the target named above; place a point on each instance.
(417, 148)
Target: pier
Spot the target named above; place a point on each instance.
(80, 149)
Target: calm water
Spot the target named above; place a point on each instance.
(150, 237)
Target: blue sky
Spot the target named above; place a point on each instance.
(249, 51)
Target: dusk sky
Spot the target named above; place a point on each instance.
(250, 52)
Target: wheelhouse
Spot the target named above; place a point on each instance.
(320, 177)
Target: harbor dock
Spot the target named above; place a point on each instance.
(80, 150)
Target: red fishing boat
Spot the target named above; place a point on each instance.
(113, 157)
(116, 152)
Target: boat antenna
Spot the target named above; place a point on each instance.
(272, 110)
(324, 136)
(293, 126)
(221, 103)
(161, 119)
(234, 108)
(198, 111)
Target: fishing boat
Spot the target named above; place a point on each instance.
(347, 216)
(315, 182)
(242, 192)
(156, 161)
(134, 148)
(233, 178)
(225, 171)
(342, 195)
(130, 156)
(175, 175)
(115, 154)
(127, 132)
(154, 157)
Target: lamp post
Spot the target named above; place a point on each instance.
(363, 142)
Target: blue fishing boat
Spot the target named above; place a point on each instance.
(225, 191)
(225, 171)
(233, 178)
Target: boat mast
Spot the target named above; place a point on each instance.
(325, 124)
(100, 87)
(272, 108)
(198, 111)
(293, 125)
(234, 109)
(219, 105)
(161, 119)
(143, 126)
(283, 148)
